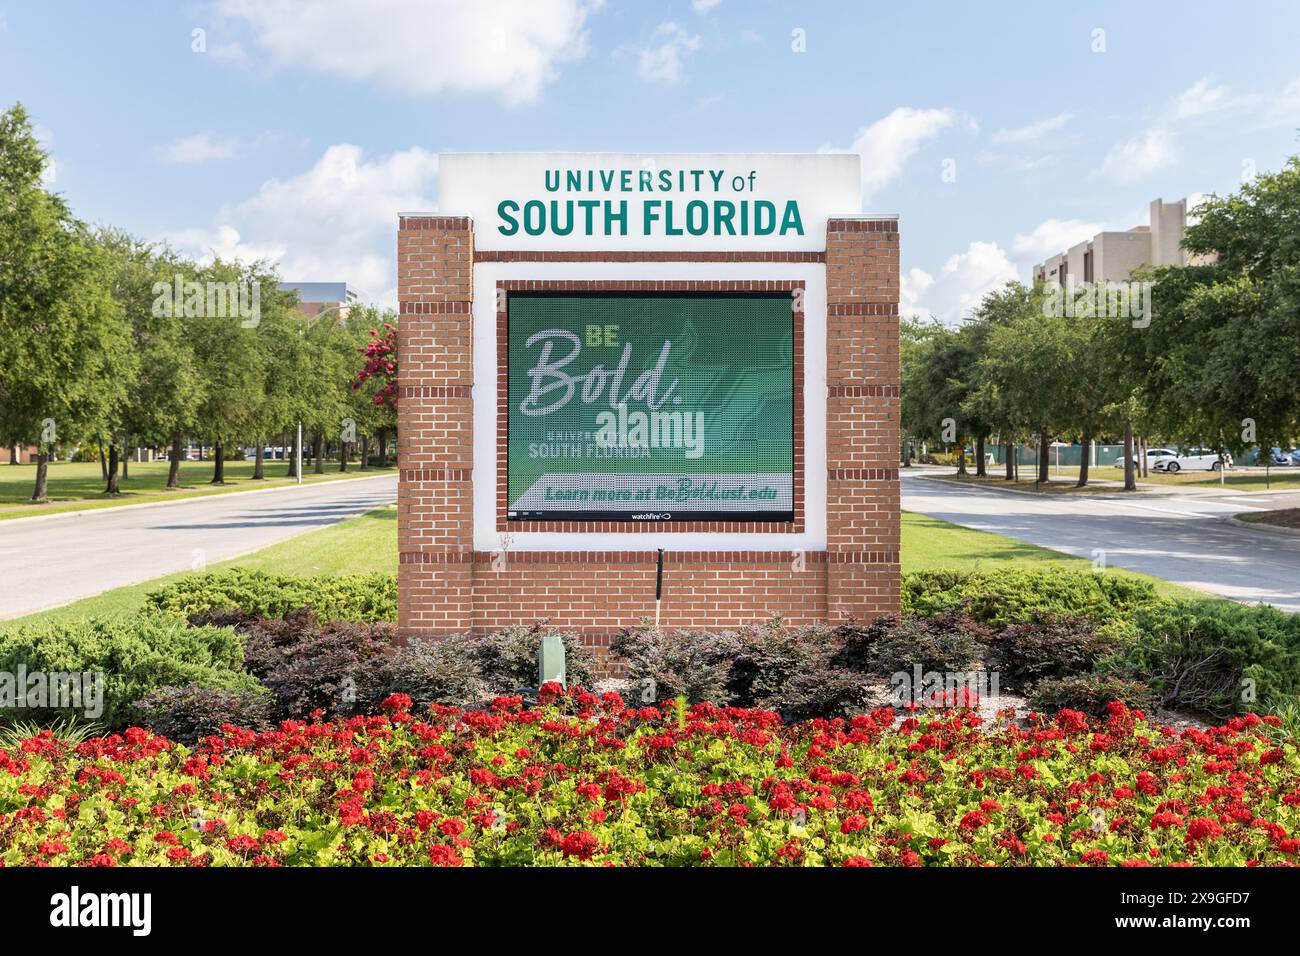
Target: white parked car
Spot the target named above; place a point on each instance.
(1195, 459)
(1152, 455)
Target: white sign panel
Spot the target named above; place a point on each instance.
(639, 201)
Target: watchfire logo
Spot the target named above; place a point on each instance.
(76, 909)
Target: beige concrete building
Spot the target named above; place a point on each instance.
(1111, 256)
(318, 298)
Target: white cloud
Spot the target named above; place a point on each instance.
(1289, 100)
(1052, 236)
(1017, 164)
(663, 63)
(1199, 98)
(334, 222)
(704, 6)
(232, 52)
(1138, 158)
(963, 281)
(887, 144)
(511, 48)
(1194, 200)
(199, 148)
(1027, 134)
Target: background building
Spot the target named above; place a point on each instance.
(1112, 256)
(317, 298)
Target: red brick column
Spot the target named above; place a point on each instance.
(435, 293)
(862, 418)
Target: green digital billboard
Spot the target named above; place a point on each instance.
(650, 406)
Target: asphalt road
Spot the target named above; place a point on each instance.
(50, 561)
(1176, 536)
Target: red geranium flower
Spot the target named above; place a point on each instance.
(1202, 828)
(581, 844)
(442, 855)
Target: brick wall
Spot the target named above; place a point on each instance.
(446, 587)
(435, 534)
(862, 418)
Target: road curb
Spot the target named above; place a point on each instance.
(192, 499)
(1156, 490)
(1120, 496)
(1150, 491)
(1259, 526)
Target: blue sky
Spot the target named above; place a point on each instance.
(297, 131)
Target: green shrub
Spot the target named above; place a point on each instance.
(1217, 658)
(350, 597)
(1012, 595)
(1089, 693)
(135, 656)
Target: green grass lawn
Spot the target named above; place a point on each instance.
(1279, 479)
(933, 543)
(1057, 486)
(1282, 517)
(1235, 479)
(77, 486)
(369, 543)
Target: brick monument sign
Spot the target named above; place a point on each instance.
(623, 370)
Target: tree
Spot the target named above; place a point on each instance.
(287, 374)
(1024, 362)
(913, 341)
(1091, 396)
(165, 389)
(226, 348)
(1217, 364)
(936, 384)
(999, 395)
(375, 385)
(332, 348)
(62, 337)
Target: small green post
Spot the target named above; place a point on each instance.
(550, 660)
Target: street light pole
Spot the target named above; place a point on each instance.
(297, 453)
